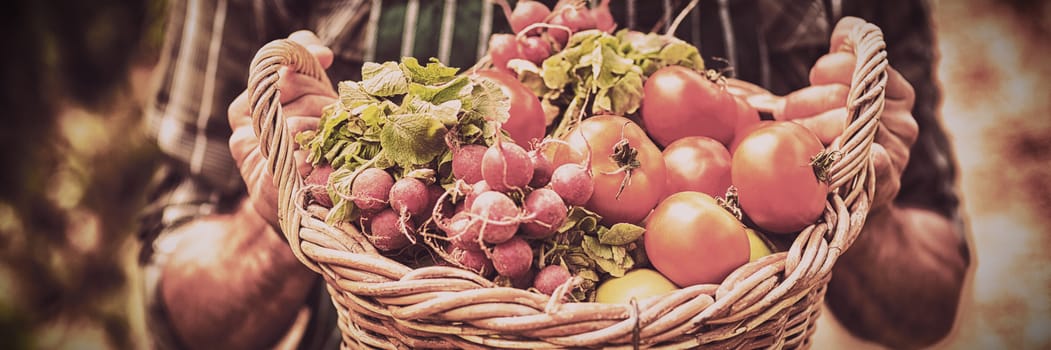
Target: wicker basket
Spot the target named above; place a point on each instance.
(769, 303)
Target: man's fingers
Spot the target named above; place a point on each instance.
(826, 125)
(833, 68)
(242, 142)
(841, 33)
(308, 106)
(297, 124)
(898, 88)
(239, 113)
(294, 85)
(888, 179)
(812, 100)
(305, 37)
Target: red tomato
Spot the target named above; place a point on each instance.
(743, 131)
(692, 240)
(697, 163)
(776, 185)
(646, 183)
(527, 120)
(679, 102)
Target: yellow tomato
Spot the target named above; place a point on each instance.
(758, 247)
(639, 284)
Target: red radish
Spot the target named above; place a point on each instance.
(388, 231)
(526, 13)
(542, 169)
(603, 17)
(506, 167)
(462, 231)
(318, 180)
(498, 216)
(527, 121)
(533, 49)
(409, 196)
(371, 189)
(476, 189)
(502, 48)
(467, 163)
(434, 194)
(550, 278)
(512, 258)
(573, 183)
(547, 212)
(474, 260)
(575, 16)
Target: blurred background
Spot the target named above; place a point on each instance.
(74, 163)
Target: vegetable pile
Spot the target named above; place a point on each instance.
(577, 162)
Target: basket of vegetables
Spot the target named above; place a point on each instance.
(581, 197)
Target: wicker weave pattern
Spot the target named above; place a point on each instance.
(769, 303)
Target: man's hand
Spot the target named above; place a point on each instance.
(899, 284)
(821, 107)
(302, 100)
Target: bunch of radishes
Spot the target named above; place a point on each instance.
(506, 200)
(540, 31)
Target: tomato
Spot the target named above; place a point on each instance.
(692, 240)
(642, 186)
(697, 163)
(743, 131)
(679, 102)
(527, 121)
(776, 185)
(637, 284)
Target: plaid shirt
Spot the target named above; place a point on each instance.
(772, 43)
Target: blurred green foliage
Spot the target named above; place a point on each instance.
(75, 165)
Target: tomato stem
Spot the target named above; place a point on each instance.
(627, 158)
(822, 162)
(730, 202)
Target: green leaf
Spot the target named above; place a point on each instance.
(680, 53)
(626, 94)
(438, 94)
(489, 102)
(383, 80)
(433, 74)
(412, 139)
(596, 250)
(555, 72)
(446, 113)
(352, 95)
(621, 234)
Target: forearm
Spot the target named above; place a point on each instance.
(232, 283)
(900, 283)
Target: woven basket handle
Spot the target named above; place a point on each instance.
(275, 142)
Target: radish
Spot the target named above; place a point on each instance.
(550, 277)
(462, 231)
(502, 48)
(533, 49)
(389, 232)
(318, 180)
(499, 217)
(506, 166)
(409, 196)
(547, 212)
(524, 14)
(476, 189)
(603, 17)
(467, 163)
(512, 258)
(371, 189)
(573, 183)
(474, 260)
(542, 168)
